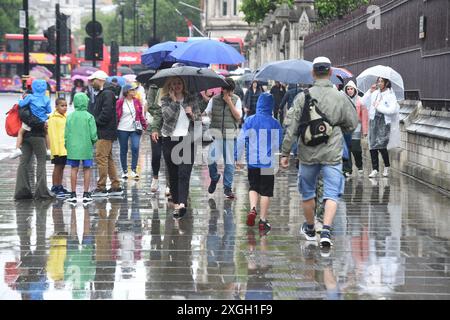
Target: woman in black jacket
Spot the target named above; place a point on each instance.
(251, 97)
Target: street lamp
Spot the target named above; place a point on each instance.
(122, 16)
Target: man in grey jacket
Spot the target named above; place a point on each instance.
(325, 157)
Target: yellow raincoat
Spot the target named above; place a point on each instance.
(56, 127)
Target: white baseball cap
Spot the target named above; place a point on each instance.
(321, 63)
(99, 74)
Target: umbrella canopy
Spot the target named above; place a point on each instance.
(209, 52)
(40, 72)
(120, 80)
(295, 71)
(154, 56)
(82, 78)
(130, 78)
(196, 79)
(83, 71)
(125, 70)
(144, 76)
(369, 77)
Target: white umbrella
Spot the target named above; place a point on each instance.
(369, 76)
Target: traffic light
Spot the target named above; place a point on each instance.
(93, 49)
(65, 33)
(50, 34)
(114, 52)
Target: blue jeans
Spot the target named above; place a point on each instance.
(333, 181)
(225, 148)
(123, 143)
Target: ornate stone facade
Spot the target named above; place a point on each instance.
(280, 35)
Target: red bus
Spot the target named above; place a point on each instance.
(11, 62)
(128, 57)
(235, 42)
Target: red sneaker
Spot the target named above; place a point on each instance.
(251, 216)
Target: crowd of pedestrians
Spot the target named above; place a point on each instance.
(253, 128)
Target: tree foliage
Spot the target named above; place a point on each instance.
(255, 10)
(169, 24)
(9, 18)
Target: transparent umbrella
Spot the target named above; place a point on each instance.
(369, 77)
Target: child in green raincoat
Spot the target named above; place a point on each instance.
(80, 137)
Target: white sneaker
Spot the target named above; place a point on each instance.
(386, 172)
(155, 185)
(373, 174)
(125, 175)
(167, 191)
(15, 154)
(134, 175)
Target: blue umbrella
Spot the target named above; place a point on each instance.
(154, 56)
(293, 71)
(120, 80)
(209, 52)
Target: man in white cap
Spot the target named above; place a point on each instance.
(104, 112)
(337, 115)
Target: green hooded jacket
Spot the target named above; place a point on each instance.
(81, 131)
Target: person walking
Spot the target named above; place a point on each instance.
(179, 111)
(251, 97)
(80, 136)
(262, 136)
(383, 110)
(104, 112)
(131, 123)
(338, 115)
(225, 111)
(360, 131)
(278, 91)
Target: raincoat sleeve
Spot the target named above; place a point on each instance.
(67, 130)
(293, 121)
(48, 108)
(92, 129)
(23, 102)
(389, 106)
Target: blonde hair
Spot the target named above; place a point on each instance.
(166, 88)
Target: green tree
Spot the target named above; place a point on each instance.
(255, 10)
(9, 18)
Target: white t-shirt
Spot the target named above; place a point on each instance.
(238, 106)
(182, 127)
(126, 122)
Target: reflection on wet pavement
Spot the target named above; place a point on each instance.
(391, 242)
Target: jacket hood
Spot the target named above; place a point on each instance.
(81, 101)
(39, 87)
(265, 104)
(352, 85)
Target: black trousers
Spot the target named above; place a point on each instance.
(179, 157)
(156, 156)
(374, 158)
(356, 151)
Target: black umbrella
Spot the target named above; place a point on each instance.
(196, 79)
(144, 76)
(125, 70)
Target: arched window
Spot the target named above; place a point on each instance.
(224, 8)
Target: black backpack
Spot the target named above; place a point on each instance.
(314, 128)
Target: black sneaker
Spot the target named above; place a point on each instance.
(99, 193)
(87, 197)
(264, 227)
(72, 198)
(229, 194)
(213, 185)
(325, 238)
(115, 191)
(310, 235)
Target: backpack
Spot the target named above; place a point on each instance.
(314, 128)
(13, 122)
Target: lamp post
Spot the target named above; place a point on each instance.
(122, 20)
(26, 48)
(94, 35)
(134, 22)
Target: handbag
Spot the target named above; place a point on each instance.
(137, 125)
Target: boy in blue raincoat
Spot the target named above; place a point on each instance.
(262, 135)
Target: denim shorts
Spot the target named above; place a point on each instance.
(333, 181)
(76, 163)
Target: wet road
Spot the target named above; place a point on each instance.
(391, 242)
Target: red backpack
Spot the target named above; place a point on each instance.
(13, 122)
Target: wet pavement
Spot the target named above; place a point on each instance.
(391, 242)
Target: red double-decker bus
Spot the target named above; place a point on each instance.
(128, 57)
(11, 62)
(235, 42)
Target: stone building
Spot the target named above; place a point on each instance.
(280, 35)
